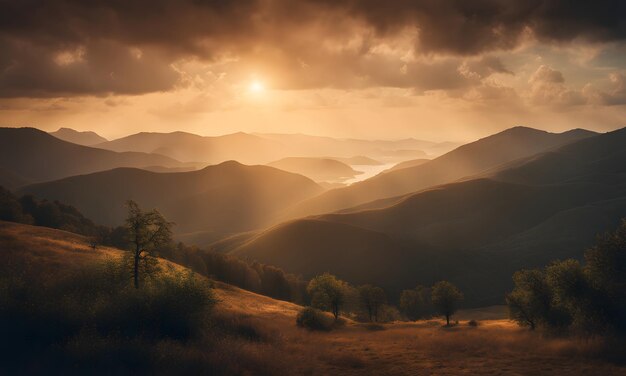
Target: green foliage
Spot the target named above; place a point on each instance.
(389, 313)
(446, 297)
(589, 299)
(59, 322)
(372, 298)
(27, 209)
(147, 231)
(313, 319)
(327, 293)
(415, 304)
(531, 302)
(260, 278)
(263, 279)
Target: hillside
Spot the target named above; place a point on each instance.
(221, 199)
(317, 169)
(265, 339)
(407, 164)
(478, 232)
(11, 180)
(335, 248)
(86, 138)
(37, 156)
(467, 160)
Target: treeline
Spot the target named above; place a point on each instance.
(260, 278)
(568, 296)
(29, 210)
(263, 279)
(369, 303)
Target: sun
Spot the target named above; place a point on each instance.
(256, 87)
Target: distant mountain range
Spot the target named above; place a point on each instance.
(35, 156)
(86, 138)
(519, 198)
(466, 160)
(265, 148)
(476, 231)
(217, 200)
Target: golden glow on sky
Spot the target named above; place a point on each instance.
(456, 71)
(256, 87)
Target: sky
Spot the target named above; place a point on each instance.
(440, 70)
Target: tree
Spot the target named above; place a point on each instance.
(605, 269)
(533, 302)
(415, 303)
(446, 297)
(530, 300)
(328, 293)
(147, 231)
(372, 298)
(566, 294)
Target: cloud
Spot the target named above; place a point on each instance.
(97, 47)
(548, 89)
(614, 96)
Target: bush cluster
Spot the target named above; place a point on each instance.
(314, 319)
(567, 295)
(42, 322)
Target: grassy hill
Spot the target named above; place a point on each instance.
(254, 334)
(221, 199)
(467, 160)
(475, 232)
(37, 156)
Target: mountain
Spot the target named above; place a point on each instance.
(86, 138)
(188, 147)
(467, 160)
(358, 160)
(387, 150)
(318, 169)
(264, 148)
(221, 199)
(407, 164)
(36, 156)
(10, 180)
(335, 247)
(477, 232)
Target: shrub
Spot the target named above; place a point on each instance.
(313, 319)
(44, 323)
(567, 295)
(472, 323)
(328, 292)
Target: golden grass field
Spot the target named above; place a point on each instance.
(495, 347)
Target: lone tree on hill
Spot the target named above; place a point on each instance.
(445, 298)
(372, 298)
(328, 293)
(147, 231)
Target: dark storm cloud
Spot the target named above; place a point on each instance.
(471, 27)
(73, 47)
